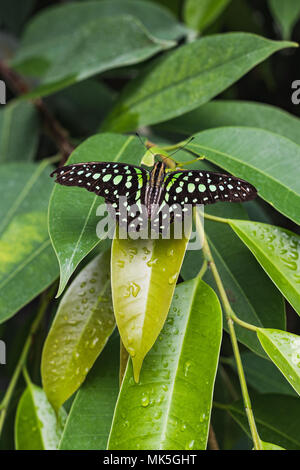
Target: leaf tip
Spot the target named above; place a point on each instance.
(137, 366)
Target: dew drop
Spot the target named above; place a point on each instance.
(172, 279)
(152, 262)
(187, 366)
(131, 351)
(189, 445)
(132, 289)
(145, 401)
(120, 263)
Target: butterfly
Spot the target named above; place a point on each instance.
(136, 195)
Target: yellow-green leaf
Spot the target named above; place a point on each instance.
(277, 250)
(83, 323)
(283, 348)
(144, 275)
(37, 427)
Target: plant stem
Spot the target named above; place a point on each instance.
(203, 269)
(216, 219)
(10, 390)
(229, 317)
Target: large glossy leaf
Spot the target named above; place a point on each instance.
(277, 250)
(37, 427)
(72, 211)
(19, 132)
(199, 15)
(252, 295)
(250, 153)
(221, 113)
(277, 418)
(90, 417)
(144, 275)
(27, 260)
(286, 14)
(86, 39)
(82, 325)
(177, 83)
(283, 348)
(170, 407)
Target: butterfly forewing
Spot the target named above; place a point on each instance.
(205, 187)
(110, 180)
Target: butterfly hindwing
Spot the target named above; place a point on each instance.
(205, 187)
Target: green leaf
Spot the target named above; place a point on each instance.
(262, 375)
(199, 15)
(222, 113)
(245, 282)
(170, 407)
(283, 348)
(27, 260)
(277, 418)
(82, 325)
(286, 14)
(143, 271)
(173, 5)
(19, 132)
(277, 251)
(72, 211)
(37, 427)
(250, 154)
(88, 425)
(269, 446)
(86, 39)
(177, 83)
(78, 106)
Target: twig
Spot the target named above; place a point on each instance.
(229, 316)
(58, 134)
(21, 362)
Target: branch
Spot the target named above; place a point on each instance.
(54, 129)
(229, 317)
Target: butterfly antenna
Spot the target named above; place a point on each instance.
(147, 148)
(182, 146)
